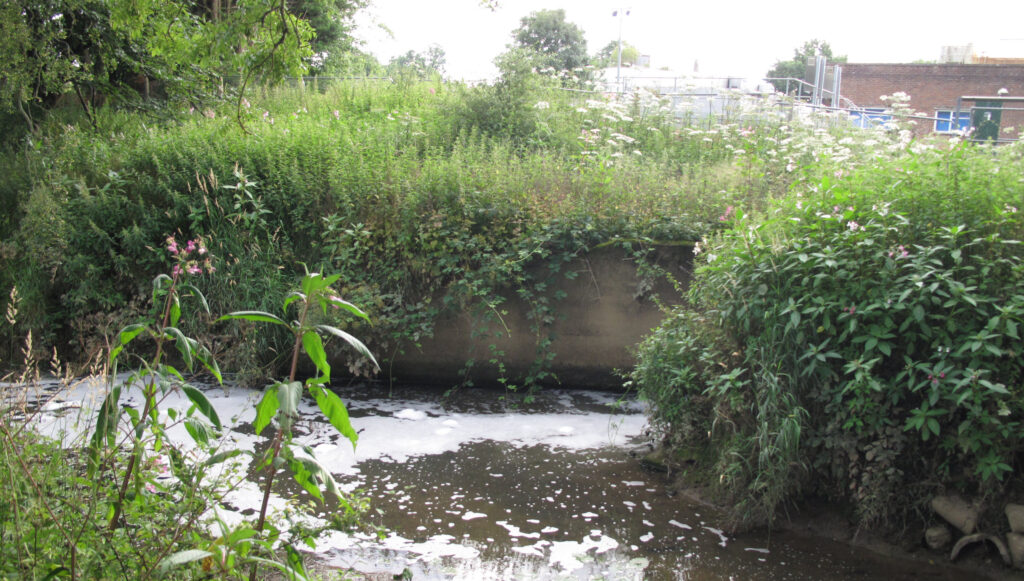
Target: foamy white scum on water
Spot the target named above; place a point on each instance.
(477, 489)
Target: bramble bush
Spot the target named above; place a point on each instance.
(860, 340)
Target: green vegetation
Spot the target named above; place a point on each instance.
(125, 52)
(796, 67)
(131, 500)
(859, 339)
(852, 332)
(427, 199)
(555, 42)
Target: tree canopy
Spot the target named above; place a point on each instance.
(117, 49)
(418, 65)
(560, 43)
(609, 55)
(795, 67)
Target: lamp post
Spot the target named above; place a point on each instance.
(618, 71)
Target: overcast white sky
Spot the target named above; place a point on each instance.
(725, 38)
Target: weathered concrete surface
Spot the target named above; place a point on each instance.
(957, 512)
(1015, 515)
(607, 309)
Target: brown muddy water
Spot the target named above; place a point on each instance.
(478, 487)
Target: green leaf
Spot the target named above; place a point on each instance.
(106, 425)
(312, 476)
(125, 336)
(209, 362)
(169, 371)
(311, 283)
(202, 404)
(343, 304)
(258, 316)
(294, 561)
(302, 474)
(292, 297)
(161, 280)
(288, 574)
(183, 343)
(351, 340)
(266, 409)
(918, 312)
(198, 430)
(175, 311)
(314, 347)
(1011, 329)
(57, 572)
(289, 394)
(222, 457)
(996, 387)
(199, 295)
(335, 411)
(240, 535)
(180, 558)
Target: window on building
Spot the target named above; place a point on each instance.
(944, 121)
(869, 117)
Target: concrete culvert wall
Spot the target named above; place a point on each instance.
(606, 308)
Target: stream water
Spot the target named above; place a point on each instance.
(477, 487)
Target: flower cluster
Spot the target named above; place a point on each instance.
(900, 251)
(193, 258)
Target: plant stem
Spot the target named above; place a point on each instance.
(42, 499)
(149, 392)
(279, 435)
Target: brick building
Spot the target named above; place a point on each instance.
(935, 88)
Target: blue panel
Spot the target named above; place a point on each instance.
(943, 122)
(869, 118)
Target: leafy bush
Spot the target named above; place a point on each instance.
(876, 320)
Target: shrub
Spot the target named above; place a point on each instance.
(877, 319)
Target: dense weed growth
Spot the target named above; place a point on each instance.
(860, 339)
(853, 329)
(416, 194)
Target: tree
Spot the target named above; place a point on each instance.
(103, 49)
(609, 55)
(418, 65)
(796, 67)
(560, 43)
(332, 21)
